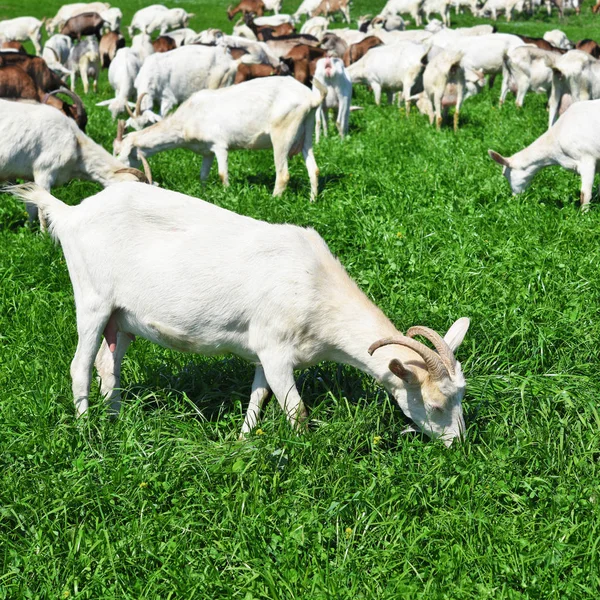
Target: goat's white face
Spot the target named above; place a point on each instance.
(144, 120)
(429, 389)
(518, 179)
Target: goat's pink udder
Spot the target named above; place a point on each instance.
(110, 333)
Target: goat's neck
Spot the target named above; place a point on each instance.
(541, 153)
(95, 162)
(164, 135)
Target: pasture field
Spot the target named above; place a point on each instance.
(166, 503)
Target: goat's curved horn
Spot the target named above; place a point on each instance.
(129, 111)
(436, 368)
(138, 104)
(135, 172)
(147, 170)
(120, 130)
(438, 341)
(81, 118)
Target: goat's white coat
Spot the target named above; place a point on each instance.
(66, 11)
(573, 142)
(173, 18)
(122, 72)
(112, 18)
(144, 17)
(194, 277)
(21, 29)
(558, 38)
(56, 53)
(84, 58)
(269, 112)
(141, 44)
(399, 7)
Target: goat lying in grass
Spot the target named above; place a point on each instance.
(194, 277)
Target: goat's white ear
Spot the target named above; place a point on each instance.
(456, 333)
(499, 158)
(398, 369)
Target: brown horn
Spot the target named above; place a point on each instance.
(436, 368)
(120, 130)
(129, 110)
(135, 172)
(147, 170)
(438, 341)
(138, 104)
(81, 118)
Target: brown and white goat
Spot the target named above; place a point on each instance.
(247, 6)
(330, 7)
(356, 51)
(85, 24)
(109, 44)
(164, 43)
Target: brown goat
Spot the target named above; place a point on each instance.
(247, 72)
(329, 7)
(164, 43)
(36, 68)
(589, 46)
(357, 51)
(305, 62)
(90, 23)
(14, 45)
(247, 6)
(109, 44)
(272, 31)
(18, 85)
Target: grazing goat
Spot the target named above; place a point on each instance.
(121, 75)
(45, 146)
(305, 8)
(441, 7)
(356, 51)
(84, 24)
(331, 74)
(84, 59)
(304, 62)
(169, 78)
(305, 310)
(70, 10)
(141, 44)
(248, 72)
(270, 112)
(112, 19)
(256, 7)
(21, 29)
(399, 7)
(56, 53)
(589, 46)
(110, 43)
(143, 17)
(183, 36)
(173, 18)
(391, 68)
(36, 68)
(316, 26)
(328, 8)
(492, 7)
(573, 142)
(558, 39)
(164, 43)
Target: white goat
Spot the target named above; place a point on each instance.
(305, 8)
(71, 10)
(112, 18)
(441, 7)
(390, 68)
(184, 36)
(274, 5)
(169, 78)
(331, 73)
(399, 7)
(470, 4)
(56, 53)
(143, 17)
(280, 300)
(273, 20)
(492, 7)
(269, 112)
(84, 58)
(21, 29)
(141, 44)
(316, 26)
(575, 73)
(259, 51)
(559, 39)
(173, 18)
(573, 143)
(121, 75)
(42, 144)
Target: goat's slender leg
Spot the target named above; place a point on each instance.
(260, 392)
(207, 161)
(283, 141)
(376, 92)
(221, 154)
(309, 157)
(90, 324)
(45, 181)
(280, 378)
(83, 68)
(108, 365)
(587, 170)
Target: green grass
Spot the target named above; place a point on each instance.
(165, 503)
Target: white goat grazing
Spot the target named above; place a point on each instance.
(84, 58)
(273, 20)
(441, 7)
(21, 29)
(573, 143)
(169, 78)
(274, 5)
(56, 53)
(530, 68)
(71, 10)
(121, 75)
(280, 300)
(390, 68)
(559, 39)
(184, 36)
(173, 18)
(575, 73)
(141, 44)
(268, 112)
(259, 51)
(305, 8)
(470, 4)
(399, 7)
(42, 144)
(492, 7)
(143, 17)
(316, 26)
(331, 73)
(112, 18)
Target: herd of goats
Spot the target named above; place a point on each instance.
(191, 276)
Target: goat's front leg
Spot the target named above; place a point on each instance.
(222, 158)
(280, 377)
(207, 161)
(260, 392)
(587, 170)
(83, 72)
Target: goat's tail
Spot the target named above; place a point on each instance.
(50, 208)
(319, 93)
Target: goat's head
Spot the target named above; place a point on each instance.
(429, 388)
(129, 155)
(518, 178)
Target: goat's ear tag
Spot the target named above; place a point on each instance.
(398, 369)
(498, 158)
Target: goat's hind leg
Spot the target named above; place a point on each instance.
(260, 392)
(587, 170)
